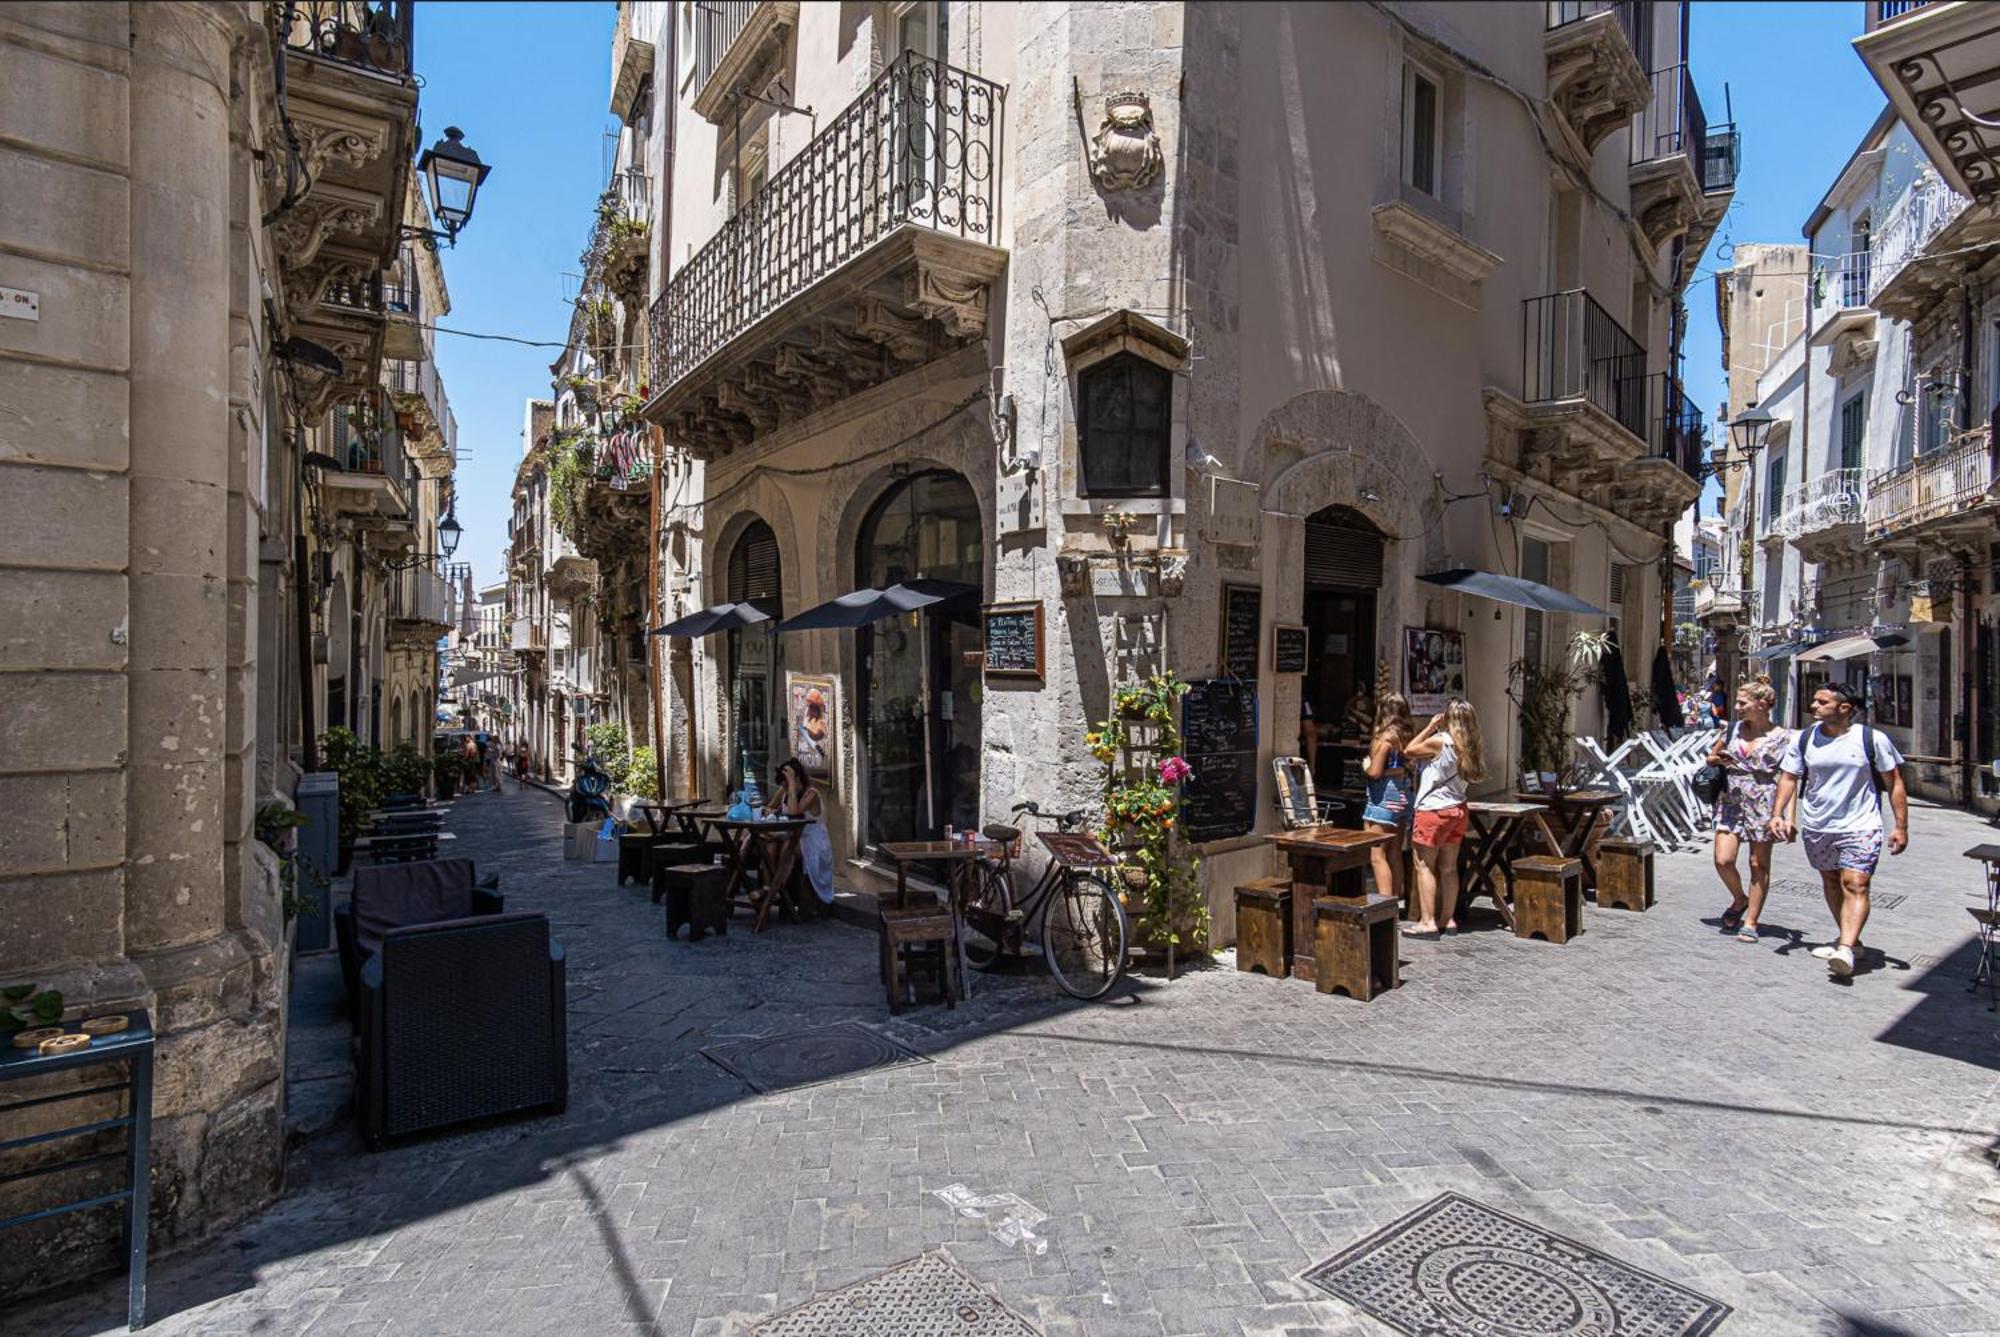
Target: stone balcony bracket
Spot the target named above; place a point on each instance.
(1596, 84)
(1667, 201)
(1575, 448)
(1427, 251)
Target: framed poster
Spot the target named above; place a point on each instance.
(809, 721)
(1906, 700)
(1288, 648)
(1242, 630)
(1014, 640)
(1433, 668)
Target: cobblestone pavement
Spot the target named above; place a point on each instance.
(1817, 1155)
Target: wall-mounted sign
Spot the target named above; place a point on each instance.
(1433, 668)
(1242, 629)
(809, 715)
(1014, 640)
(1288, 649)
(1219, 740)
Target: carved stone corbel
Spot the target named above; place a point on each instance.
(951, 297)
(733, 398)
(902, 335)
(1852, 350)
(809, 374)
(1073, 571)
(328, 211)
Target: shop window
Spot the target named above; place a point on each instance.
(1125, 413)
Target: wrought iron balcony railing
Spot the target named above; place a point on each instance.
(1937, 484)
(1923, 211)
(1679, 428)
(372, 35)
(420, 595)
(1635, 17)
(1721, 153)
(718, 23)
(920, 147)
(1672, 123)
(1834, 498)
(1573, 349)
(632, 195)
(1842, 283)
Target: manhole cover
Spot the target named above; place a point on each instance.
(925, 1297)
(806, 1058)
(1455, 1267)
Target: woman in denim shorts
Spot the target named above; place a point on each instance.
(1388, 802)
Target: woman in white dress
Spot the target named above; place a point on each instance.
(796, 797)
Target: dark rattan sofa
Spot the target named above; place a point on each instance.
(398, 895)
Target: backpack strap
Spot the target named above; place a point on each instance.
(1868, 746)
(1805, 766)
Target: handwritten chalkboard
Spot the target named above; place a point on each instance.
(1242, 629)
(1219, 740)
(1288, 649)
(1013, 640)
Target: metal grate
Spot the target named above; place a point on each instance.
(807, 1058)
(929, 1296)
(1454, 1266)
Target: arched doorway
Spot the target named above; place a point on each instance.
(920, 681)
(396, 720)
(1343, 577)
(754, 576)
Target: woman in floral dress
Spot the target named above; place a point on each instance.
(1749, 753)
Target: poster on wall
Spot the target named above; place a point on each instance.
(1433, 668)
(809, 722)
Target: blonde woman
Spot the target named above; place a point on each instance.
(1749, 753)
(1388, 804)
(1453, 752)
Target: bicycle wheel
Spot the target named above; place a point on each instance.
(993, 895)
(1084, 936)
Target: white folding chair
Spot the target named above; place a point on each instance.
(1608, 772)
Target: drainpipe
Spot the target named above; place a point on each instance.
(1962, 730)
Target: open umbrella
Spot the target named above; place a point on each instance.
(718, 617)
(1512, 590)
(860, 607)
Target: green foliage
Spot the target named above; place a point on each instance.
(447, 768)
(360, 769)
(406, 771)
(1543, 695)
(273, 821)
(569, 468)
(22, 1006)
(1142, 812)
(608, 744)
(642, 776)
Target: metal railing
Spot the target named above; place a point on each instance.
(717, 25)
(411, 376)
(632, 193)
(1573, 349)
(1672, 121)
(1721, 154)
(420, 595)
(1883, 11)
(1844, 281)
(367, 440)
(1635, 17)
(1833, 498)
(1922, 212)
(402, 297)
(374, 35)
(1679, 428)
(921, 147)
(1932, 485)
(358, 295)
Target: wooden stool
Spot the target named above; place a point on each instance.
(908, 927)
(1625, 874)
(697, 895)
(1264, 927)
(1354, 946)
(1548, 898)
(632, 855)
(664, 852)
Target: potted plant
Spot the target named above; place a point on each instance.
(1142, 815)
(360, 769)
(23, 1006)
(1543, 695)
(446, 767)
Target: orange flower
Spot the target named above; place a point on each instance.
(1169, 824)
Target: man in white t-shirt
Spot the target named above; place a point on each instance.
(1839, 789)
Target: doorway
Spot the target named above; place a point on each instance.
(1343, 580)
(755, 658)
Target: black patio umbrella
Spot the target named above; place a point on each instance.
(860, 607)
(718, 617)
(1666, 698)
(1512, 590)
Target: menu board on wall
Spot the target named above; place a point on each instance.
(1219, 741)
(1288, 649)
(1013, 640)
(1242, 628)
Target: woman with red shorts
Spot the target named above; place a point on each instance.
(1453, 754)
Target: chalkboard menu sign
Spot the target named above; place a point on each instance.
(1219, 740)
(1288, 649)
(1242, 629)
(1013, 640)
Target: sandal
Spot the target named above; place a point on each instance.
(1732, 919)
(1746, 933)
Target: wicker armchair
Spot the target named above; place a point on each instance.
(397, 895)
(461, 1020)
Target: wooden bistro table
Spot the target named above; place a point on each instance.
(1490, 846)
(1326, 861)
(768, 840)
(964, 866)
(1576, 813)
(658, 815)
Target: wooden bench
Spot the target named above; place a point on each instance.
(929, 929)
(1625, 874)
(697, 895)
(1548, 898)
(1264, 927)
(1355, 946)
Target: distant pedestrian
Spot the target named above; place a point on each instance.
(1836, 776)
(1388, 803)
(1715, 704)
(1454, 755)
(1749, 754)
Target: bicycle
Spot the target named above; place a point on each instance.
(1082, 926)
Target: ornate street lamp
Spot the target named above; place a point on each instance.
(448, 531)
(452, 175)
(1748, 430)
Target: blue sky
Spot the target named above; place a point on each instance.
(528, 84)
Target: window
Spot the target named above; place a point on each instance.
(1931, 417)
(1124, 416)
(1617, 585)
(1774, 487)
(1422, 130)
(1534, 630)
(1853, 425)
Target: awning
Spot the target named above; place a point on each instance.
(1782, 650)
(1512, 590)
(718, 617)
(1851, 647)
(861, 607)
(468, 674)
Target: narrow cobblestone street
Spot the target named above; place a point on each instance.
(1816, 1156)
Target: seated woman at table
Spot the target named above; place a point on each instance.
(1388, 790)
(1453, 753)
(795, 796)
(1749, 754)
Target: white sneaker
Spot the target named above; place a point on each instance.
(1841, 960)
(1825, 951)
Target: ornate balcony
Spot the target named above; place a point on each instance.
(1940, 66)
(866, 256)
(527, 639)
(1914, 267)
(422, 413)
(1597, 54)
(350, 108)
(1936, 495)
(375, 482)
(735, 41)
(420, 609)
(1823, 518)
(1683, 173)
(614, 505)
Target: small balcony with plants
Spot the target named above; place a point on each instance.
(369, 478)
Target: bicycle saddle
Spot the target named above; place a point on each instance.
(1005, 835)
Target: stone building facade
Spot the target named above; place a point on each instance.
(1358, 294)
(204, 203)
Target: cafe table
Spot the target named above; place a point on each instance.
(695, 818)
(1576, 814)
(963, 861)
(1493, 840)
(772, 842)
(1325, 861)
(657, 815)
(1989, 923)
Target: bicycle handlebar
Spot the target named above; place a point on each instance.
(1065, 820)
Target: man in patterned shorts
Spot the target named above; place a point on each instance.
(1838, 773)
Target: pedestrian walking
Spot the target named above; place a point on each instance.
(1749, 754)
(1388, 801)
(1454, 754)
(1835, 778)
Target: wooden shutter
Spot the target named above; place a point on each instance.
(1338, 555)
(753, 566)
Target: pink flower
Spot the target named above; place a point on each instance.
(1174, 770)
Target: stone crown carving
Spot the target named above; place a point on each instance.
(1125, 151)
